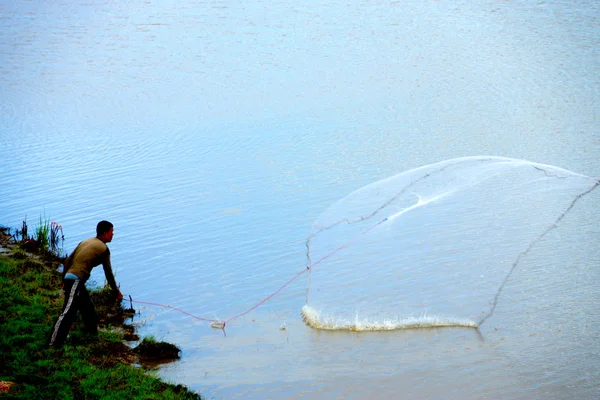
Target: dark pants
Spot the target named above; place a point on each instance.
(77, 299)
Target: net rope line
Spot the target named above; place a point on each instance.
(411, 184)
(221, 324)
(384, 205)
(396, 196)
(532, 244)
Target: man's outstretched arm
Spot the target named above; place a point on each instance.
(110, 277)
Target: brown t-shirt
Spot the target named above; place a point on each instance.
(89, 254)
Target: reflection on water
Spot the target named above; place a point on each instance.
(214, 133)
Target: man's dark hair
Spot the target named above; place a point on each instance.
(103, 227)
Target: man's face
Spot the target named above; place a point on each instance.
(108, 235)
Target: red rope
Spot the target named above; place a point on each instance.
(272, 294)
(268, 297)
(173, 308)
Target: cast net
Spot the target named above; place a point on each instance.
(433, 246)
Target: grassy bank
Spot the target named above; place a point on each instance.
(30, 301)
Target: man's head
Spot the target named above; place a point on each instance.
(104, 231)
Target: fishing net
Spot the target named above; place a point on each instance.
(432, 246)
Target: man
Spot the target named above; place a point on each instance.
(76, 271)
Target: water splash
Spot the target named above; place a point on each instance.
(315, 319)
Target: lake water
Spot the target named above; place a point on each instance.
(214, 133)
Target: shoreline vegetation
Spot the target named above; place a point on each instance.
(30, 300)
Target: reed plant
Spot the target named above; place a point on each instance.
(48, 237)
(23, 232)
(56, 238)
(42, 233)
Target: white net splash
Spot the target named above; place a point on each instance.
(432, 246)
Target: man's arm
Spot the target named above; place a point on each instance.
(110, 278)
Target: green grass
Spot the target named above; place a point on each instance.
(30, 301)
(42, 234)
